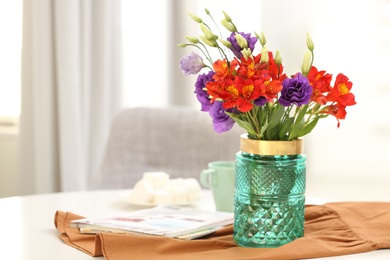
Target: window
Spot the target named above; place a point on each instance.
(10, 60)
(145, 52)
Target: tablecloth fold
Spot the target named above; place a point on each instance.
(331, 229)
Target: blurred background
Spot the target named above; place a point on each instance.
(69, 66)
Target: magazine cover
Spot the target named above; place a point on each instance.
(170, 221)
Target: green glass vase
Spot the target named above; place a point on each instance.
(269, 199)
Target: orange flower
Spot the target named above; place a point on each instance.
(249, 90)
(222, 89)
(223, 69)
(320, 81)
(341, 91)
(341, 97)
(274, 70)
(246, 68)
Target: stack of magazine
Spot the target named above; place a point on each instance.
(169, 221)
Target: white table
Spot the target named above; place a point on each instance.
(28, 232)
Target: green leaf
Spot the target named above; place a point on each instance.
(302, 113)
(276, 116)
(285, 128)
(296, 129)
(263, 128)
(259, 114)
(309, 127)
(242, 123)
(273, 133)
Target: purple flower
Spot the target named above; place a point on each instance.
(221, 121)
(260, 101)
(236, 49)
(191, 64)
(296, 90)
(200, 91)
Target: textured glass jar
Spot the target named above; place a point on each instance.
(269, 198)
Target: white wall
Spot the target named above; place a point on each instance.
(357, 152)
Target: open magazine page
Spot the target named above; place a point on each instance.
(170, 221)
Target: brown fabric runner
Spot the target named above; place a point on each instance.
(331, 229)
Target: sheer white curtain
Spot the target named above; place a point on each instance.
(71, 88)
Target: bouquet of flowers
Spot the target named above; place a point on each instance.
(251, 89)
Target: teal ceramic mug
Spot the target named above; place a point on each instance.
(220, 178)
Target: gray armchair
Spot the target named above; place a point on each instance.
(178, 140)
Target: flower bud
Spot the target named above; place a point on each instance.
(246, 53)
(306, 63)
(309, 42)
(193, 40)
(211, 43)
(225, 43)
(229, 26)
(241, 41)
(182, 45)
(261, 38)
(207, 33)
(207, 11)
(195, 18)
(278, 58)
(264, 55)
(227, 17)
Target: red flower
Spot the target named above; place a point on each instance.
(274, 70)
(249, 90)
(320, 81)
(221, 89)
(246, 68)
(223, 69)
(341, 97)
(341, 91)
(270, 88)
(337, 111)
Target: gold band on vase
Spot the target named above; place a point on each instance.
(270, 147)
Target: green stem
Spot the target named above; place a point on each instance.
(295, 114)
(286, 114)
(313, 111)
(216, 25)
(206, 54)
(252, 119)
(221, 51)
